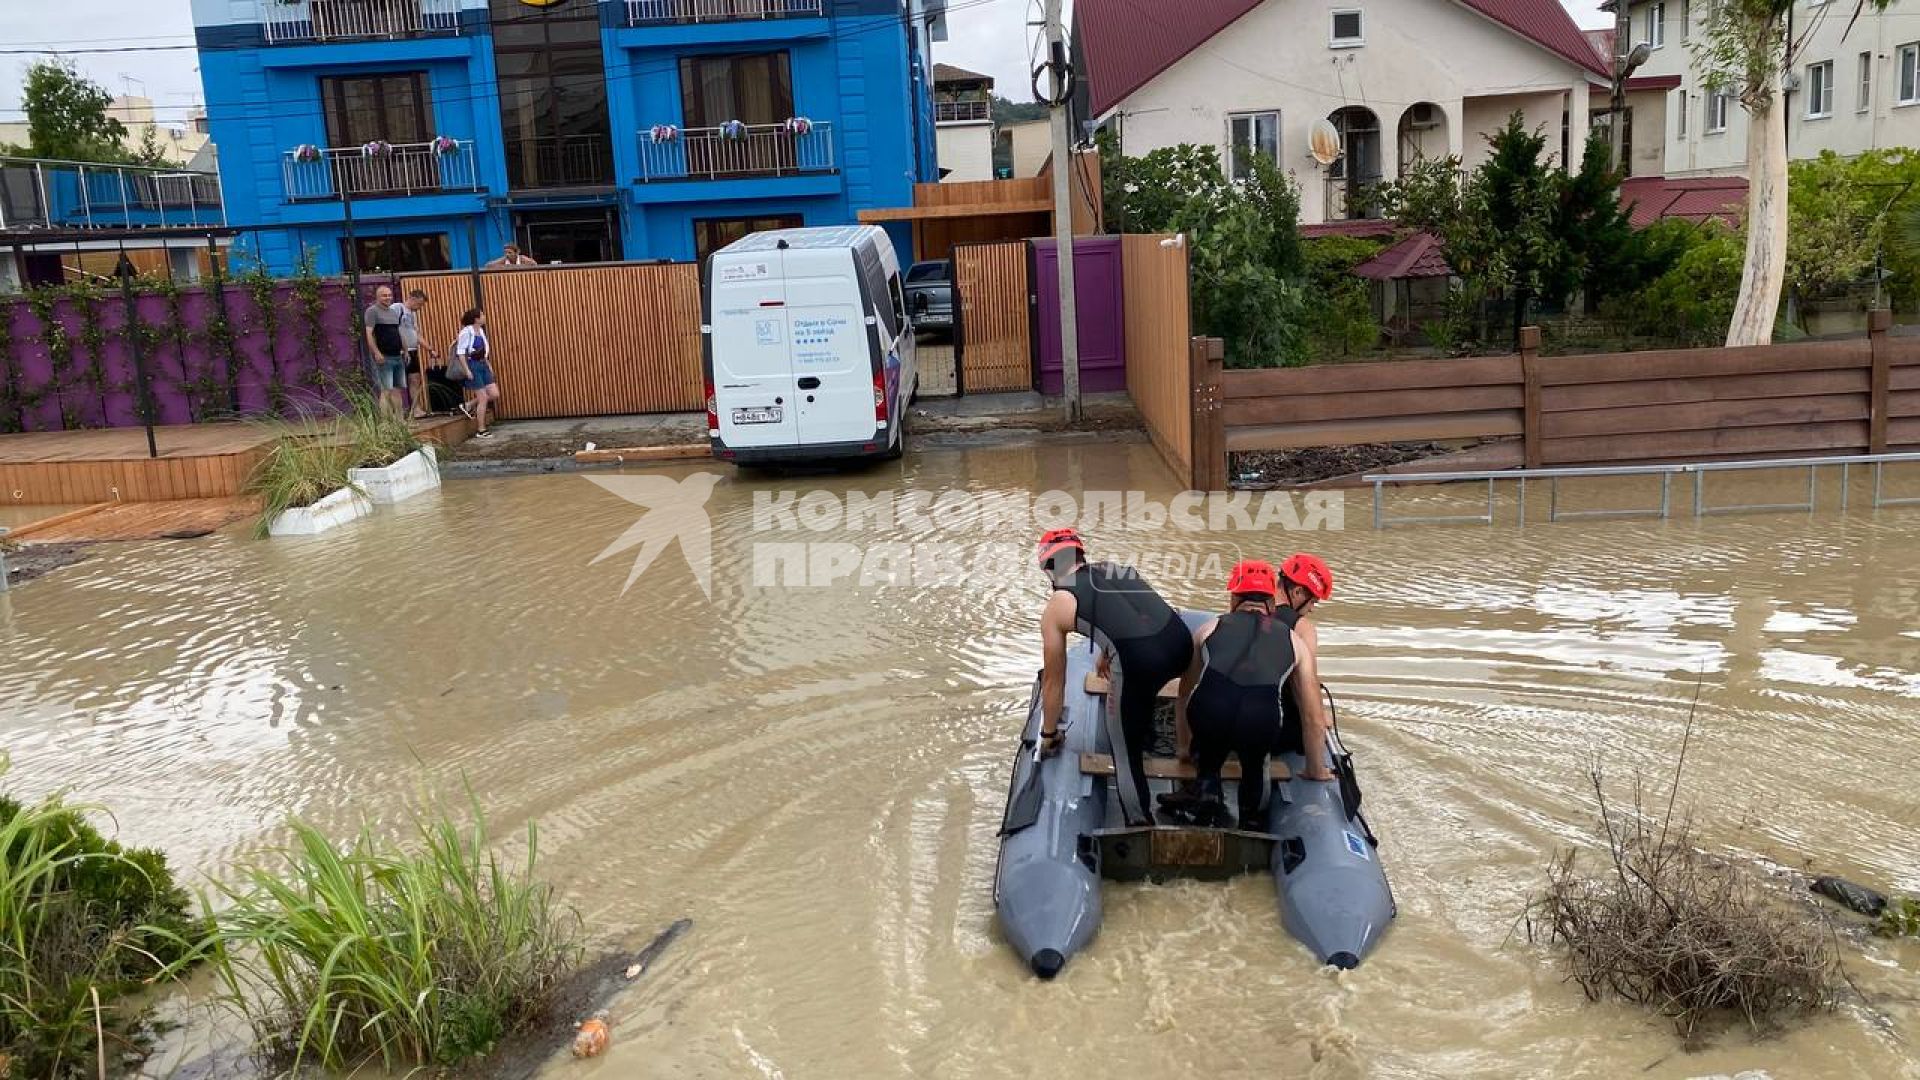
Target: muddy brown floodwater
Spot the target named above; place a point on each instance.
(815, 775)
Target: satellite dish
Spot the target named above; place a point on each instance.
(1323, 142)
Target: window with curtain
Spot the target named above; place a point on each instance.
(362, 108)
(712, 234)
(753, 88)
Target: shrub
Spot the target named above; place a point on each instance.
(84, 923)
(1693, 302)
(368, 952)
(1668, 927)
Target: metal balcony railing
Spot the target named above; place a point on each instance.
(356, 20)
(1353, 198)
(759, 150)
(41, 194)
(558, 161)
(956, 111)
(407, 169)
(650, 12)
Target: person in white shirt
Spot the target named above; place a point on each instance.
(410, 337)
(471, 349)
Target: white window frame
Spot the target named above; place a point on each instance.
(1820, 90)
(1906, 74)
(1680, 110)
(1686, 19)
(1234, 172)
(1657, 25)
(1717, 102)
(1863, 90)
(1333, 21)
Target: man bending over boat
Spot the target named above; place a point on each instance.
(1145, 641)
(1245, 664)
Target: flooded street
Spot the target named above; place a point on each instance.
(815, 775)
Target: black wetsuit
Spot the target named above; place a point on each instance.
(1119, 611)
(1237, 706)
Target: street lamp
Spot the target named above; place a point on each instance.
(1625, 63)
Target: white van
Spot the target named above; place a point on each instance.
(807, 346)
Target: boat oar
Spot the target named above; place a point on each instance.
(1023, 809)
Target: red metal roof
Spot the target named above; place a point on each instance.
(1702, 198)
(1361, 227)
(1418, 256)
(1124, 44)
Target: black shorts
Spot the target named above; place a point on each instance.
(413, 361)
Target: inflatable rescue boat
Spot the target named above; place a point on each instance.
(1060, 841)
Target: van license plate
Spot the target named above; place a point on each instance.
(770, 415)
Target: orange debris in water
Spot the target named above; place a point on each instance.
(593, 1035)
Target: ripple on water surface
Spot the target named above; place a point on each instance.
(815, 774)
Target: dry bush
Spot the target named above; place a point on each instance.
(1680, 932)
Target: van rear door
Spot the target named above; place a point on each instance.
(832, 347)
(752, 369)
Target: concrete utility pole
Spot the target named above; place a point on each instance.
(1622, 48)
(1058, 91)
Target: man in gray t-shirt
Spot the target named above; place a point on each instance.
(388, 346)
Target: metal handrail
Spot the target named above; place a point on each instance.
(1699, 470)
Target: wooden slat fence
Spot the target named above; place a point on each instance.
(1854, 396)
(995, 337)
(580, 341)
(1160, 376)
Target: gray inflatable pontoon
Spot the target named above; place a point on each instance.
(1333, 890)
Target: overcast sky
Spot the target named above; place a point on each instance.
(989, 36)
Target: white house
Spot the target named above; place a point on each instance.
(963, 123)
(1399, 79)
(1852, 89)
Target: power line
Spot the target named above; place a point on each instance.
(482, 90)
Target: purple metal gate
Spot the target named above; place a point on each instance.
(1100, 288)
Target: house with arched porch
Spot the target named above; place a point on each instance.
(1398, 80)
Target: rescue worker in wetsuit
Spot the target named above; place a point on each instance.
(1146, 645)
(1245, 664)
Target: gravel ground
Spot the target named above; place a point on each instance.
(28, 561)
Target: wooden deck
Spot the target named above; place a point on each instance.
(178, 519)
(197, 461)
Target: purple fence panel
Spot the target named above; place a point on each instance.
(115, 381)
(1099, 286)
(290, 354)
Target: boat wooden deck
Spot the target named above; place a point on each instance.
(196, 461)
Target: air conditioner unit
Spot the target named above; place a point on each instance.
(1423, 115)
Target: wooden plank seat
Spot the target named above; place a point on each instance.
(1097, 685)
(1174, 769)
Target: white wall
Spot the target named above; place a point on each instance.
(1277, 57)
(1883, 124)
(967, 149)
(1032, 143)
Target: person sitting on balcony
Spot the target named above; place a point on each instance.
(510, 256)
(388, 346)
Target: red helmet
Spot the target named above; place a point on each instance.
(1310, 573)
(1054, 540)
(1253, 576)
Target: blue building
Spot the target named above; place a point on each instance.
(433, 132)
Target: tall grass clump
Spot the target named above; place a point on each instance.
(409, 956)
(308, 458)
(84, 925)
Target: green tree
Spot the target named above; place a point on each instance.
(1834, 225)
(67, 116)
(1598, 235)
(1499, 226)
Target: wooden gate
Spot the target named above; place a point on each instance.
(580, 341)
(995, 336)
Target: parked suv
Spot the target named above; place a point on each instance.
(930, 295)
